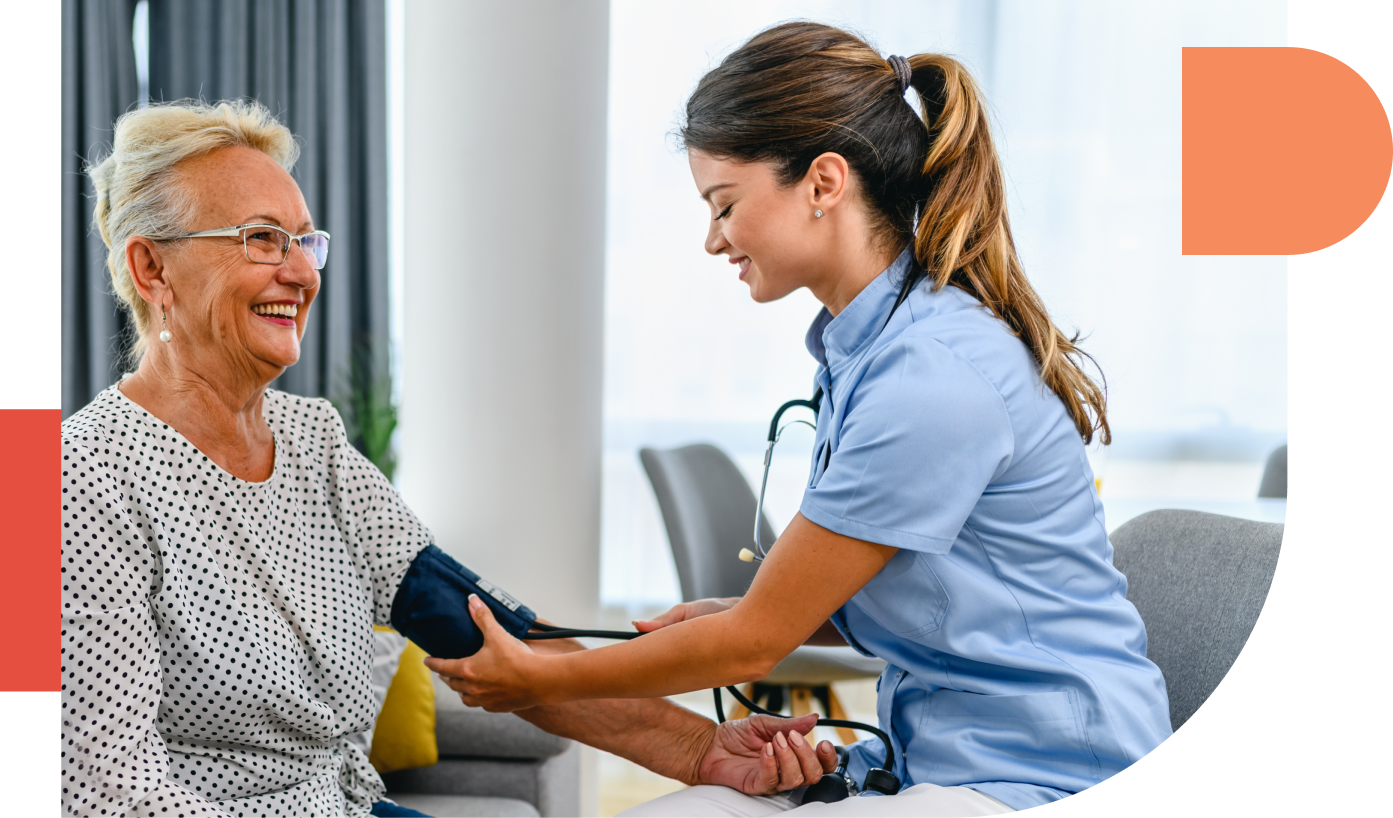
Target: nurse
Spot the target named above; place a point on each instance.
(950, 525)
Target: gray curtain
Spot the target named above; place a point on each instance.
(99, 84)
(319, 65)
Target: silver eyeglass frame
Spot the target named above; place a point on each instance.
(236, 231)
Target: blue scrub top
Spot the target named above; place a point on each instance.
(1017, 667)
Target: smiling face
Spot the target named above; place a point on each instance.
(231, 316)
(768, 231)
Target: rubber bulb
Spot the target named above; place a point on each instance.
(830, 788)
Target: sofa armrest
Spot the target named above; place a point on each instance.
(551, 786)
(470, 732)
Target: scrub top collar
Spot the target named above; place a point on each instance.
(832, 340)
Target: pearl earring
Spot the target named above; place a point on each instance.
(165, 334)
(817, 213)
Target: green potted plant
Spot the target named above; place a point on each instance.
(363, 397)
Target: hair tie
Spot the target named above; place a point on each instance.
(902, 71)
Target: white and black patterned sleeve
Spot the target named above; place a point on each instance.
(383, 532)
(113, 758)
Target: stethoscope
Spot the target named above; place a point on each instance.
(837, 785)
(834, 786)
(775, 432)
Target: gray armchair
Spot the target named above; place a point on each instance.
(1274, 474)
(1199, 582)
(490, 764)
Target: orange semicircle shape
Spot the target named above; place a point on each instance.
(1284, 151)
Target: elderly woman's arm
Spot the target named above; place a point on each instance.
(757, 755)
(383, 532)
(114, 760)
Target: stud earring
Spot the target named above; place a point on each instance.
(165, 334)
(817, 213)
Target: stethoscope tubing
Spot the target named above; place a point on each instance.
(775, 432)
(815, 404)
(888, 766)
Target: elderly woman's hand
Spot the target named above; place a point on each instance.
(757, 755)
(497, 678)
(764, 754)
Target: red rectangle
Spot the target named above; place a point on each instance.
(30, 527)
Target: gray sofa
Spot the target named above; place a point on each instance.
(490, 764)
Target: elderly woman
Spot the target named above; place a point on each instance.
(226, 551)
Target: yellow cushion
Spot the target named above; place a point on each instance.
(405, 733)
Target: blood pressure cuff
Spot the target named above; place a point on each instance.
(431, 607)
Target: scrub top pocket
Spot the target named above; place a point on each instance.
(906, 597)
(1026, 730)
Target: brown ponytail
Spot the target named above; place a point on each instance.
(798, 90)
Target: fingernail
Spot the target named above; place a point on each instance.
(795, 738)
(826, 747)
(473, 600)
(768, 748)
(783, 742)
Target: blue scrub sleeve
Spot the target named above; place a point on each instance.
(924, 433)
(431, 607)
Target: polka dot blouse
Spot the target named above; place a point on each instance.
(217, 634)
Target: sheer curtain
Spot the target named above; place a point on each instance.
(1085, 98)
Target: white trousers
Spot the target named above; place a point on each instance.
(919, 801)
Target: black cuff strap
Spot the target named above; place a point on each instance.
(431, 607)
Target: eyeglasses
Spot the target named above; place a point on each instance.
(268, 244)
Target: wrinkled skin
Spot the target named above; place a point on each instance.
(762, 754)
(208, 380)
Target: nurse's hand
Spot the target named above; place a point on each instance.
(685, 611)
(500, 677)
(763, 754)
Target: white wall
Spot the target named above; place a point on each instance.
(503, 278)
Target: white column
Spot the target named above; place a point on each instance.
(504, 211)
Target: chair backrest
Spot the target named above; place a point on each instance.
(1199, 581)
(1274, 474)
(709, 512)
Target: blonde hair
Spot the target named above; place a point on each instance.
(138, 185)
